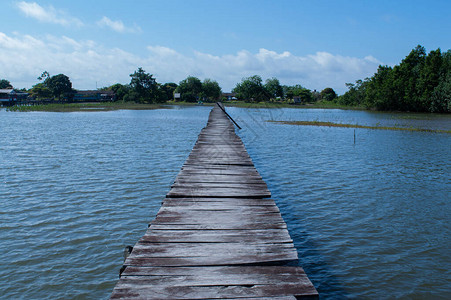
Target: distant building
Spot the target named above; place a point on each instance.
(229, 96)
(11, 95)
(297, 99)
(94, 96)
(177, 96)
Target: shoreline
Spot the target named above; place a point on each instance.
(112, 106)
(85, 107)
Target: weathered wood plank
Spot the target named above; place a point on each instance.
(237, 202)
(258, 272)
(193, 216)
(218, 260)
(199, 178)
(194, 207)
(239, 185)
(177, 192)
(215, 282)
(215, 226)
(209, 168)
(219, 216)
(269, 236)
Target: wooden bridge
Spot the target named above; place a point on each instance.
(217, 234)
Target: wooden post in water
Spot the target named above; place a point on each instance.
(217, 234)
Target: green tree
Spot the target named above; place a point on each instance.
(211, 91)
(143, 87)
(120, 90)
(274, 88)
(316, 96)
(379, 90)
(441, 96)
(190, 89)
(429, 78)
(168, 90)
(59, 85)
(298, 90)
(407, 75)
(328, 94)
(251, 89)
(287, 91)
(40, 91)
(5, 84)
(305, 95)
(355, 96)
(44, 76)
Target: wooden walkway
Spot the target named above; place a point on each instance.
(217, 234)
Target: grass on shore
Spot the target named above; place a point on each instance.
(320, 104)
(331, 124)
(109, 106)
(244, 104)
(75, 107)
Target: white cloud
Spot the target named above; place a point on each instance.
(117, 26)
(47, 15)
(24, 57)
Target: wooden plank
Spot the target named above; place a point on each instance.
(210, 292)
(218, 170)
(217, 162)
(237, 174)
(237, 168)
(214, 282)
(254, 275)
(237, 202)
(193, 178)
(264, 221)
(165, 224)
(209, 249)
(224, 159)
(269, 236)
(205, 207)
(216, 260)
(206, 185)
(178, 192)
(197, 216)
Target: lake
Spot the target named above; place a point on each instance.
(370, 217)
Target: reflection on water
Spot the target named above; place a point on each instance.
(370, 219)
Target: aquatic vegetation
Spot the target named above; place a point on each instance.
(378, 126)
(74, 107)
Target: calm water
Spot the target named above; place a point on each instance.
(370, 219)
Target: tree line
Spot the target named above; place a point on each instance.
(420, 83)
(144, 88)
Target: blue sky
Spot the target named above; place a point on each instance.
(316, 44)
